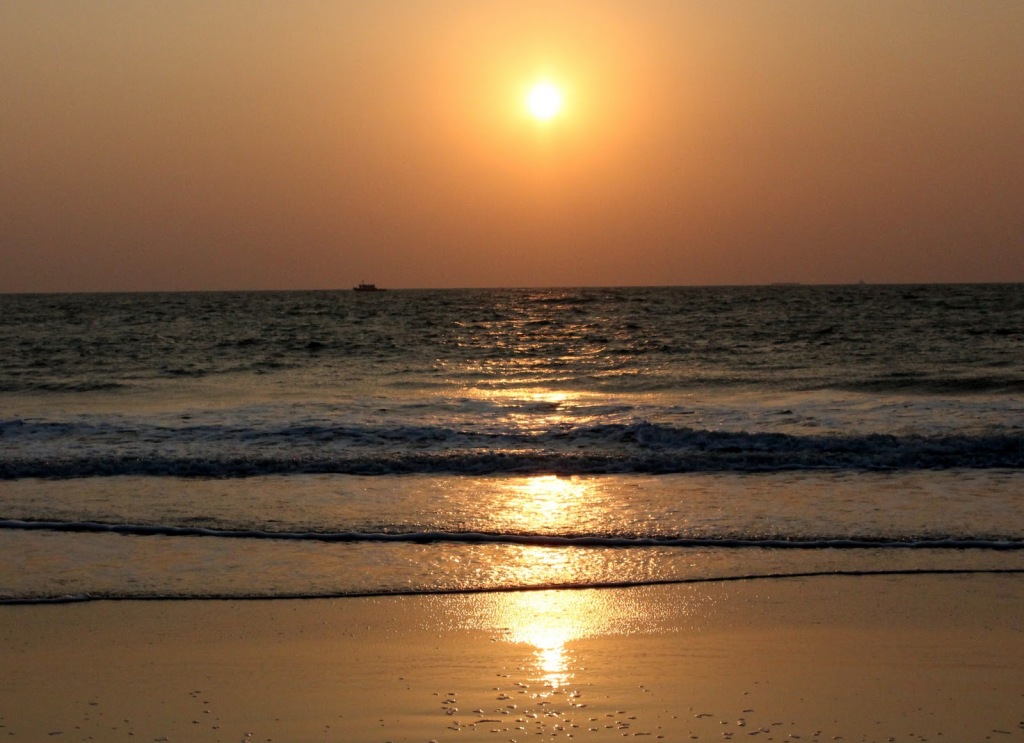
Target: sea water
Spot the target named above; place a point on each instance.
(270, 444)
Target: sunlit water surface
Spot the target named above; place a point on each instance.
(330, 443)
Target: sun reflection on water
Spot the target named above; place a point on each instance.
(549, 621)
(547, 504)
(537, 409)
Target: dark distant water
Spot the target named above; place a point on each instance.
(337, 442)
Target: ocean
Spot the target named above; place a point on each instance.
(339, 443)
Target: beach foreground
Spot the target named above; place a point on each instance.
(866, 658)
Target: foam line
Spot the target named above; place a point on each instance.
(540, 540)
(83, 598)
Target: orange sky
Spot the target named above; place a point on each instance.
(189, 144)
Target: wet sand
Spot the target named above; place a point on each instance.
(905, 658)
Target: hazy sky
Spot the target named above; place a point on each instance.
(236, 144)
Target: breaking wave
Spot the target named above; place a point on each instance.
(645, 448)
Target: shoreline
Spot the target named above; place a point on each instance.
(528, 588)
(873, 657)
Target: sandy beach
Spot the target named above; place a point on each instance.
(882, 658)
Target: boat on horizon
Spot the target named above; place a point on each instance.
(364, 287)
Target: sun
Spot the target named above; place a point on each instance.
(544, 101)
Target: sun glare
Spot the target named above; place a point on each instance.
(544, 101)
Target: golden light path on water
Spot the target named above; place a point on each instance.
(549, 620)
(546, 504)
(546, 620)
(537, 408)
